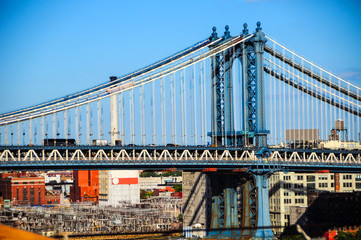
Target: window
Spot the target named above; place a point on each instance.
(322, 185)
(287, 201)
(299, 193)
(298, 185)
(287, 185)
(347, 176)
(39, 195)
(311, 186)
(322, 177)
(358, 177)
(286, 193)
(299, 200)
(32, 198)
(347, 184)
(310, 178)
(25, 194)
(332, 177)
(286, 178)
(299, 178)
(358, 185)
(332, 184)
(17, 194)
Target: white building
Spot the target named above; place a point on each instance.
(150, 183)
(290, 190)
(122, 186)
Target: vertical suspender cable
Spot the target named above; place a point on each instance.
(131, 100)
(285, 124)
(162, 110)
(12, 134)
(173, 111)
(195, 104)
(65, 116)
(35, 131)
(224, 132)
(349, 128)
(142, 114)
(182, 106)
(313, 101)
(294, 97)
(99, 108)
(30, 131)
(77, 130)
(271, 104)
(69, 125)
(153, 113)
(88, 124)
(334, 109)
(54, 127)
(321, 125)
(304, 117)
(18, 128)
(23, 124)
(42, 127)
(121, 118)
(202, 103)
(6, 134)
(275, 105)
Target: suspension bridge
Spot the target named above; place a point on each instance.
(228, 107)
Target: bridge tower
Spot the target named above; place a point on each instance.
(233, 205)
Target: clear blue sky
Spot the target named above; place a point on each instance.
(52, 48)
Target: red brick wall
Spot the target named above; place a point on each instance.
(10, 186)
(85, 186)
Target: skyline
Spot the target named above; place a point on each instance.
(73, 46)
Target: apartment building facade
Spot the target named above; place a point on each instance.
(288, 192)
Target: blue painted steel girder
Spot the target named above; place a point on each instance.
(222, 93)
(253, 85)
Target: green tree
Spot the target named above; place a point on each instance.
(148, 174)
(177, 188)
(146, 194)
(348, 236)
(291, 233)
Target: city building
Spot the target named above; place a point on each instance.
(150, 183)
(289, 193)
(85, 187)
(22, 188)
(165, 191)
(54, 197)
(118, 186)
(58, 181)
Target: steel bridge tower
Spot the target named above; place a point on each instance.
(234, 205)
(250, 54)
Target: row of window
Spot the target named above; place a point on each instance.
(297, 200)
(16, 183)
(297, 193)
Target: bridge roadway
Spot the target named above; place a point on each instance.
(180, 158)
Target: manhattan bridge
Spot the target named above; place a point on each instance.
(229, 111)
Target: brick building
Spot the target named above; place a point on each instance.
(22, 189)
(85, 186)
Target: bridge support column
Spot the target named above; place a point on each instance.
(264, 230)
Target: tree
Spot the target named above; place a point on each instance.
(177, 188)
(291, 233)
(348, 236)
(145, 194)
(148, 174)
